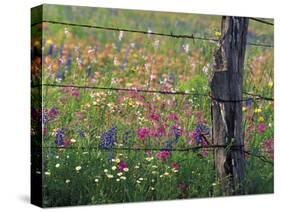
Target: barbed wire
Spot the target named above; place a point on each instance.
(259, 96)
(193, 148)
(188, 149)
(262, 21)
(256, 96)
(171, 34)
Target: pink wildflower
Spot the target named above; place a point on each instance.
(163, 155)
(173, 116)
(154, 116)
(143, 132)
(261, 127)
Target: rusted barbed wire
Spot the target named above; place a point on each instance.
(256, 96)
(171, 34)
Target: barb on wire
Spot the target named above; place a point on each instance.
(262, 21)
(185, 36)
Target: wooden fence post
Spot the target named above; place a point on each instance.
(226, 91)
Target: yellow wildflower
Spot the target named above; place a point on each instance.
(49, 41)
(217, 33)
(258, 110)
(270, 84)
(261, 119)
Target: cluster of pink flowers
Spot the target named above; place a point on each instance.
(155, 131)
(261, 127)
(163, 155)
(143, 133)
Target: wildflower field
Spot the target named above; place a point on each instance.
(103, 145)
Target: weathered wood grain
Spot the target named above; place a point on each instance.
(227, 84)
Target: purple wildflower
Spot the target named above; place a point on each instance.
(248, 102)
(53, 112)
(51, 49)
(59, 137)
(59, 75)
(109, 138)
(122, 165)
(198, 134)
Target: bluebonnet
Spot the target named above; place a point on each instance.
(249, 102)
(69, 60)
(170, 143)
(51, 49)
(59, 75)
(177, 133)
(59, 137)
(171, 77)
(109, 138)
(198, 133)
